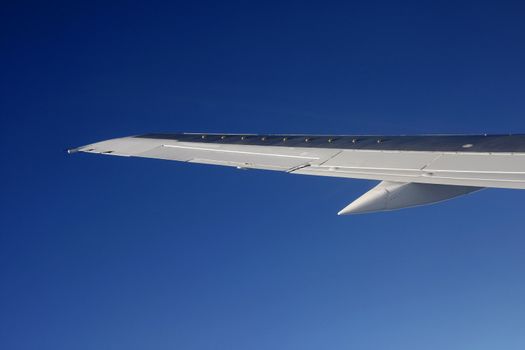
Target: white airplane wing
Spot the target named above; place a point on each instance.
(413, 170)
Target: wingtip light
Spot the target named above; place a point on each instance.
(72, 150)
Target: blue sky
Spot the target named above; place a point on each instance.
(110, 253)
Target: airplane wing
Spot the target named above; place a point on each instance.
(413, 170)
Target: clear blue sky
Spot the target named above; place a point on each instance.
(111, 253)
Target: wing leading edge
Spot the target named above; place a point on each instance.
(412, 170)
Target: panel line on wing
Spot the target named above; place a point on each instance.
(302, 166)
(329, 159)
(241, 152)
(336, 167)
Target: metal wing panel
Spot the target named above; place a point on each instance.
(257, 157)
(502, 167)
(381, 160)
(229, 157)
(504, 170)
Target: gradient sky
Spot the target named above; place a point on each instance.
(111, 253)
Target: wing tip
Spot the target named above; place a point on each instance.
(73, 150)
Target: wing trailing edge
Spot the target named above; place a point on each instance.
(398, 195)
